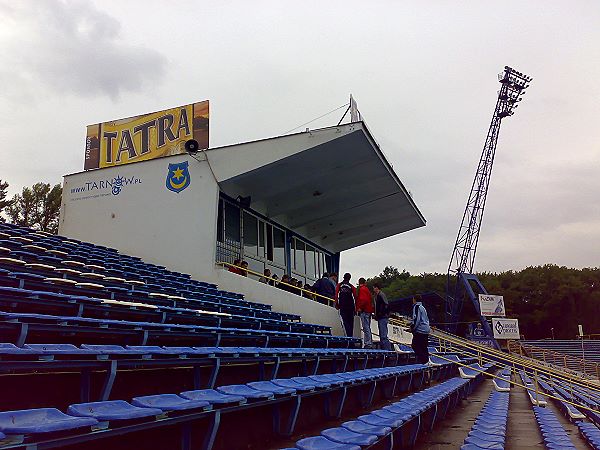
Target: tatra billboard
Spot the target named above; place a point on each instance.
(144, 137)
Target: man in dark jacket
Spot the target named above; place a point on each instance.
(324, 287)
(345, 298)
(382, 316)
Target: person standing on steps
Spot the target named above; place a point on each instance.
(382, 316)
(420, 330)
(345, 297)
(364, 309)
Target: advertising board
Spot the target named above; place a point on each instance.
(491, 305)
(506, 328)
(146, 136)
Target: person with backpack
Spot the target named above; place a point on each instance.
(345, 296)
(364, 309)
(382, 316)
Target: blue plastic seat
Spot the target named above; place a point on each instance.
(309, 381)
(322, 443)
(111, 349)
(345, 436)
(361, 427)
(169, 402)
(269, 386)
(12, 349)
(112, 410)
(245, 391)
(289, 383)
(41, 420)
(373, 419)
(69, 349)
(213, 397)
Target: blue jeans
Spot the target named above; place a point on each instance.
(384, 342)
(365, 321)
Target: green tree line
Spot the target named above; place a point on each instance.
(542, 297)
(36, 207)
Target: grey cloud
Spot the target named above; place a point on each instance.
(72, 48)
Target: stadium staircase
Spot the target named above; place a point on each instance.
(102, 350)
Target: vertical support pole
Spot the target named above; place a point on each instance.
(535, 380)
(186, 436)
(197, 377)
(215, 372)
(110, 379)
(209, 438)
(23, 328)
(84, 394)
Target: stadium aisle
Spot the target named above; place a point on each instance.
(523, 432)
(450, 433)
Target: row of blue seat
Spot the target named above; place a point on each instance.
(554, 435)
(475, 370)
(560, 395)
(591, 433)
(502, 382)
(55, 291)
(59, 280)
(536, 395)
(52, 248)
(33, 246)
(489, 430)
(581, 395)
(49, 350)
(385, 423)
(23, 324)
(23, 300)
(35, 424)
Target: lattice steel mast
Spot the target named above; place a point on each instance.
(463, 256)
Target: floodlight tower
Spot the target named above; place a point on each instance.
(513, 85)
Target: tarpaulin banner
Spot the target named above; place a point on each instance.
(491, 305)
(147, 136)
(506, 328)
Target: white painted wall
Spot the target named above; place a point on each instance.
(145, 219)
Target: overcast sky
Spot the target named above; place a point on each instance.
(424, 75)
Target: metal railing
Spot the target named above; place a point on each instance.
(559, 359)
(304, 293)
(488, 354)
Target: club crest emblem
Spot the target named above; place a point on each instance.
(178, 177)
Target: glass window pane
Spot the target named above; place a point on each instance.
(328, 263)
(232, 222)
(261, 239)
(299, 256)
(250, 234)
(276, 271)
(311, 268)
(255, 266)
(220, 222)
(322, 267)
(278, 246)
(270, 242)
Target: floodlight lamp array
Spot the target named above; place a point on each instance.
(513, 88)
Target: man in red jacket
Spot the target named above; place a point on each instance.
(364, 308)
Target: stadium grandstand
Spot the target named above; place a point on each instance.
(129, 330)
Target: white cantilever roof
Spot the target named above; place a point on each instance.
(332, 185)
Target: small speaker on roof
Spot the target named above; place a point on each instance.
(192, 146)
